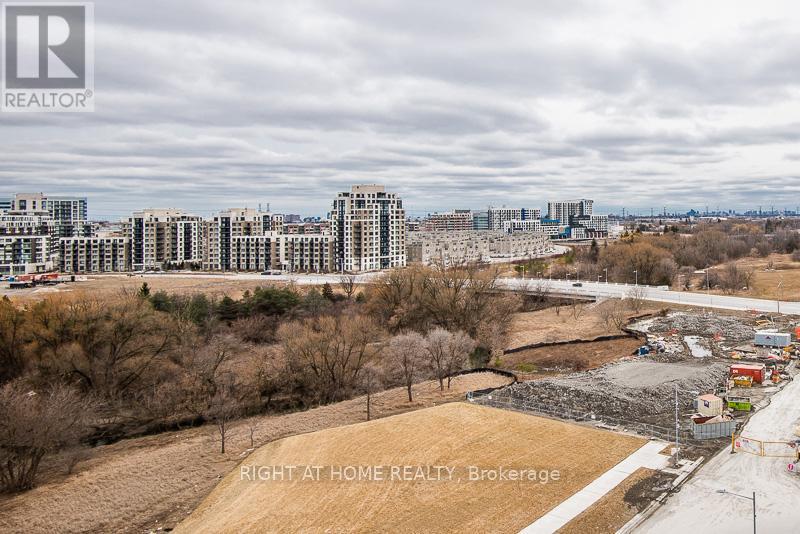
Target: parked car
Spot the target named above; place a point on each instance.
(577, 284)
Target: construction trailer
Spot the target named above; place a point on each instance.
(757, 371)
(709, 405)
(766, 338)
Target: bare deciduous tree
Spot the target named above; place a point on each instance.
(371, 380)
(408, 355)
(35, 423)
(347, 283)
(447, 352)
(636, 298)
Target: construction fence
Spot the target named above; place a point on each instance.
(771, 449)
(497, 399)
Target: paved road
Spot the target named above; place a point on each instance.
(658, 294)
(699, 509)
(592, 289)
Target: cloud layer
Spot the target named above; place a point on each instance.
(206, 105)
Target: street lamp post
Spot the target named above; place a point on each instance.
(753, 498)
(606, 271)
(677, 422)
(780, 285)
(636, 274)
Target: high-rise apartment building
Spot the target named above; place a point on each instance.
(369, 229)
(70, 214)
(164, 236)
(564, 210)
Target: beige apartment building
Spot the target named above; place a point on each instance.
(369, 229)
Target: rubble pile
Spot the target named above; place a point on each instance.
(731, 328)
(636, 390)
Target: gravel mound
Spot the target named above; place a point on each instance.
(697, 324)
(635, 389)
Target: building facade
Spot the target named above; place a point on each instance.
(499, 216)
(94, 254)
(459, 248)
(529, 225)
(369, 229)
(564, 210)
(162, 237)
(450, 221)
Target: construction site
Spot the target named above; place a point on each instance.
(688, 376)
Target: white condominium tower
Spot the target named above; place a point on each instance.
(563, 211)
(369, 229)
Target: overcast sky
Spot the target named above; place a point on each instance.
(205, 105)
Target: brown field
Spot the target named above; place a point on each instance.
(145, 483)
(552, 324)
(457, 435)
(611, 512)
(572, 357)
(110, 285)
(766, 278)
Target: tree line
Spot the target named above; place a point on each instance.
(91, 369)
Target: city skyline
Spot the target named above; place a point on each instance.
(671, 103)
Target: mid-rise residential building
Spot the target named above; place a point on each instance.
(480, 220)
(564, 210)
(70, 214)
(499, 216)
(255, 252)
(554, 229)
(94, 254)
(594, 225)
(450, 221)
(159, 237)
(24, 254)
(235, 222)
(458, 248)
(25, 242)
(5, 204)
(528, 225)
(369, 229)
(310, 253)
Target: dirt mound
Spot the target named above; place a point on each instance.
(634, 389)
(729, 327)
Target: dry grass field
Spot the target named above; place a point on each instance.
(458, 435)
(767, 274)
(552, 324)
(145, 483)
(110, 285)
(570, 357)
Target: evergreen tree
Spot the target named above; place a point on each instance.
(144, 291)
(327, 292)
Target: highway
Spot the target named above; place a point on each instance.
(589, 289)
(657, 294)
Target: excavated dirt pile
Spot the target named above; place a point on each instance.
(634, 390)
(731, 328)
